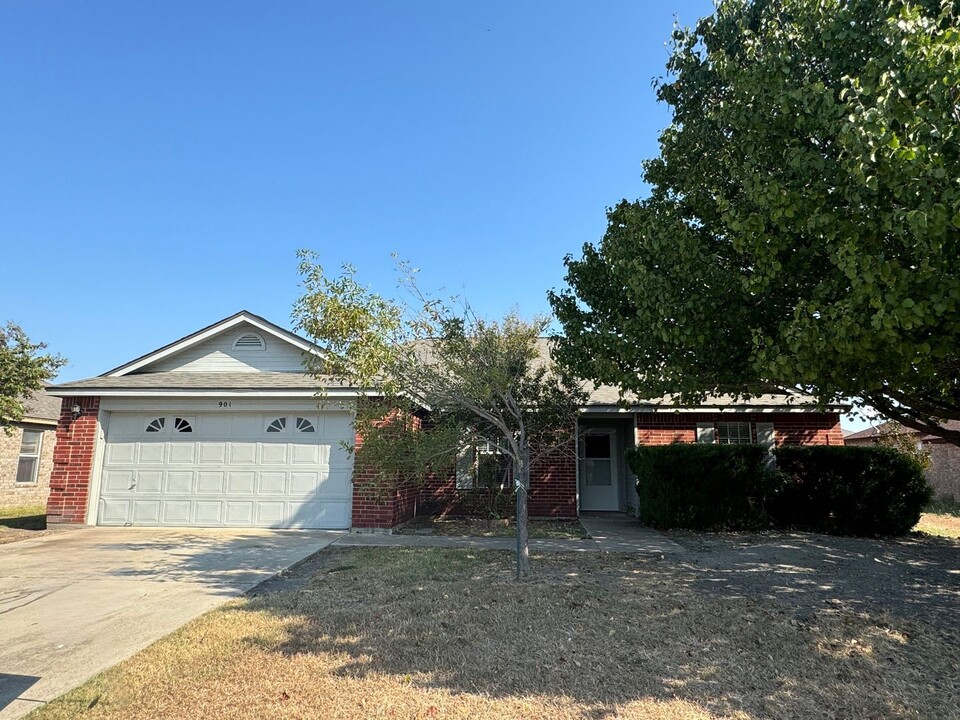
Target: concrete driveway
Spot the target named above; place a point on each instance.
(75, 603)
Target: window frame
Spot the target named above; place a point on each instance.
(724, 437)
(35, 473)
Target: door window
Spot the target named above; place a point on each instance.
(598, 465)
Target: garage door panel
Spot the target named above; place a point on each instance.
(304, 483)
(227, 470)
(239, 513)
(273, 453)
(207, 512)
(176, 512)
(210, 482)
(273, 483)
(114, 512)
(118, 480)
(184, 453)
(212, 453)
(271, 514)
(241, 482)
(152, 452)
(243, 453)
(336, 485)
(149, 481)
(179, 481)
(146, 511)
(305, 454)
(121, 452)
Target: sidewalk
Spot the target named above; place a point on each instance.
(611, 532)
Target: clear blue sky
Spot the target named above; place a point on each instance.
(162, 162)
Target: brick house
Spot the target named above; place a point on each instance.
(944, 471)
(26, 452)
(222, 428)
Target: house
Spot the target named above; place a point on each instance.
(222, 428)
(944, 471)
(26, 452)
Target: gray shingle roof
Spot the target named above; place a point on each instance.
(41, 406)
(180, 380)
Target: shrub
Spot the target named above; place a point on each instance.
(702, 487)
(850, 490)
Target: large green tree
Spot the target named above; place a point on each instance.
(803, 225)
(24, 368)
(439, 379)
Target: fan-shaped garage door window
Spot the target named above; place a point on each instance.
(278, 425)
(305, 426)
(182, 425)
(156, 425)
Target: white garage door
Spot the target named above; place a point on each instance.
(227, 470)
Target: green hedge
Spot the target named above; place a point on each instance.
(702, 487)
(850, 490)
(864, 491)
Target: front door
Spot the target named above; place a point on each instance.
(599, 476)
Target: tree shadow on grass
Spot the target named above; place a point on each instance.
(605, 632)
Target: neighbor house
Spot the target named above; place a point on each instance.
(26, 452)
(944, 471)
(222, 428)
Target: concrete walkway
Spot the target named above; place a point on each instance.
(76, 602)
(609, 532)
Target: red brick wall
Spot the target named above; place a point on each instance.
(73, 461)
(553, 486)
(789, 428)
(376, 505)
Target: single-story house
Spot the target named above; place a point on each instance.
(222, 428)
(26, 452)
(944, 471)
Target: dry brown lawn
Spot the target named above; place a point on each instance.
(404, 633)
(939, 524)
(478, 527)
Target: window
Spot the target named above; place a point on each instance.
(598, 459)
(277, 425)
(733, 433)
(305, 426)
(483, 465)
(156, 425)
(249, 341)
(182, 425)
(29, 456)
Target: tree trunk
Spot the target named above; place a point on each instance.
(523, 542)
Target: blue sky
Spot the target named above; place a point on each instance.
(162, 162)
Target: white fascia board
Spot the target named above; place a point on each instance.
(114, 392)
(213, 331)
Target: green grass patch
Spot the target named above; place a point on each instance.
(943, 506)
(24, 517)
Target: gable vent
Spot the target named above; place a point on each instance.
(250, 341)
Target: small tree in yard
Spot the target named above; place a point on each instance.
(894, 435)
(23, 370)
(442, 378)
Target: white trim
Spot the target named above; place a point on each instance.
(576, 457)
(141, 392)
(20, 454)
(93, 487)
(177, 347)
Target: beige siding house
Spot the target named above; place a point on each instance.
(26, 453)
(944, 471)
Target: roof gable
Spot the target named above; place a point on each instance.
(212, 349)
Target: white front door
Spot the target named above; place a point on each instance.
(599, 471)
